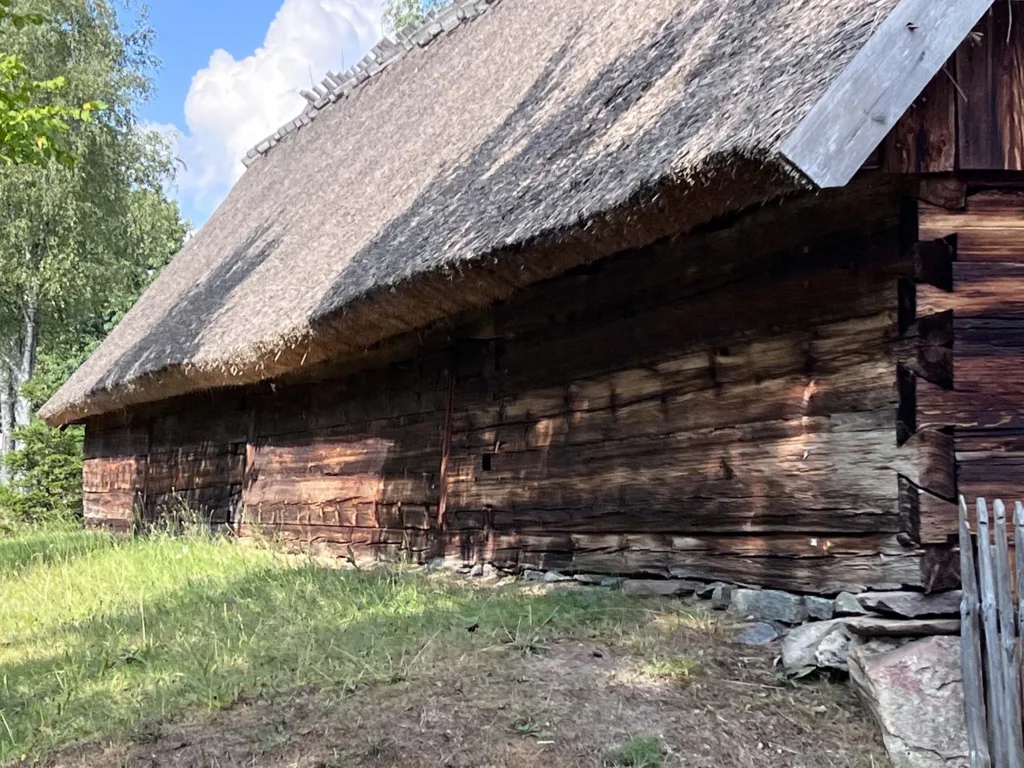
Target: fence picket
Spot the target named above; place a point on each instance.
(995, 689)
(1010, 716)
(1018, 549)
(970, 645)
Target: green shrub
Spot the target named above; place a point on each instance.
(46, 483)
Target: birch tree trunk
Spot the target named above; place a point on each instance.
(16, 368)
(7, 405)
(26, 364)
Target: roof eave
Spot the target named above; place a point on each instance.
(878, 86)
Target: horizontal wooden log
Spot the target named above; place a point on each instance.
(855, 397)
(180, 471)
(863, 228)
(989, 228)
(991, 463)
(202, 422)
(114, 474)
(381, 539)
(112, 439)
(801, 564)
(780, 476)
(112, 505)
(931, 462)
(711, 321)
(219, 504)
(357, 515)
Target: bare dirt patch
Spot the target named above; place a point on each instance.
(566, 703)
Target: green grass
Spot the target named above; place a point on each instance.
(638, 752)
(99, 635)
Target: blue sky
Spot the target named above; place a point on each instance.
(232, 70)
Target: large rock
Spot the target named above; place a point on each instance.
(818, 645)
(916, 695)
(828, 645)
(912, 605)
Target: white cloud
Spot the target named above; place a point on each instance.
(233, 104)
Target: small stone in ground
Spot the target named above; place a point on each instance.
(819, 645)
(759, 634)
(721, 597)
(591, 579)
(529, 575)
(476, 571)
(706, 591)
(552, 577)
(848, 605)
(916, 695)
(775, 605)
(744, 602)
(820, 607)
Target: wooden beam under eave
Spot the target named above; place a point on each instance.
(875, 89)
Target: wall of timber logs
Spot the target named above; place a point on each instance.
(790, 398)
(964, 141)
(722, 405)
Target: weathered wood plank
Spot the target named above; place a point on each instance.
(944, 191)
(110, 505)
(988, 228)
(970, 648)
(1010, 703)
(178, 471)
(924, 139)
(114, 474)
(995, 687)
(868, 98)
(990, 72)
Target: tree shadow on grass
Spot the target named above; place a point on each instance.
(272, 630)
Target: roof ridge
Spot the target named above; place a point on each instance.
(336, 86)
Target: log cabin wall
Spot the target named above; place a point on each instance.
(790, 398)
(181, 458)
(720, 406)
(353, 463)
(964, 140)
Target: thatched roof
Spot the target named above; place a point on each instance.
(536, 133)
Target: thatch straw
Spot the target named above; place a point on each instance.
(536, 123)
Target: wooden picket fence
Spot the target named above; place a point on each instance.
(990, 627)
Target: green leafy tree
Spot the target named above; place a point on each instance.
(78, 242)
(29, 128)
(398, 14)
